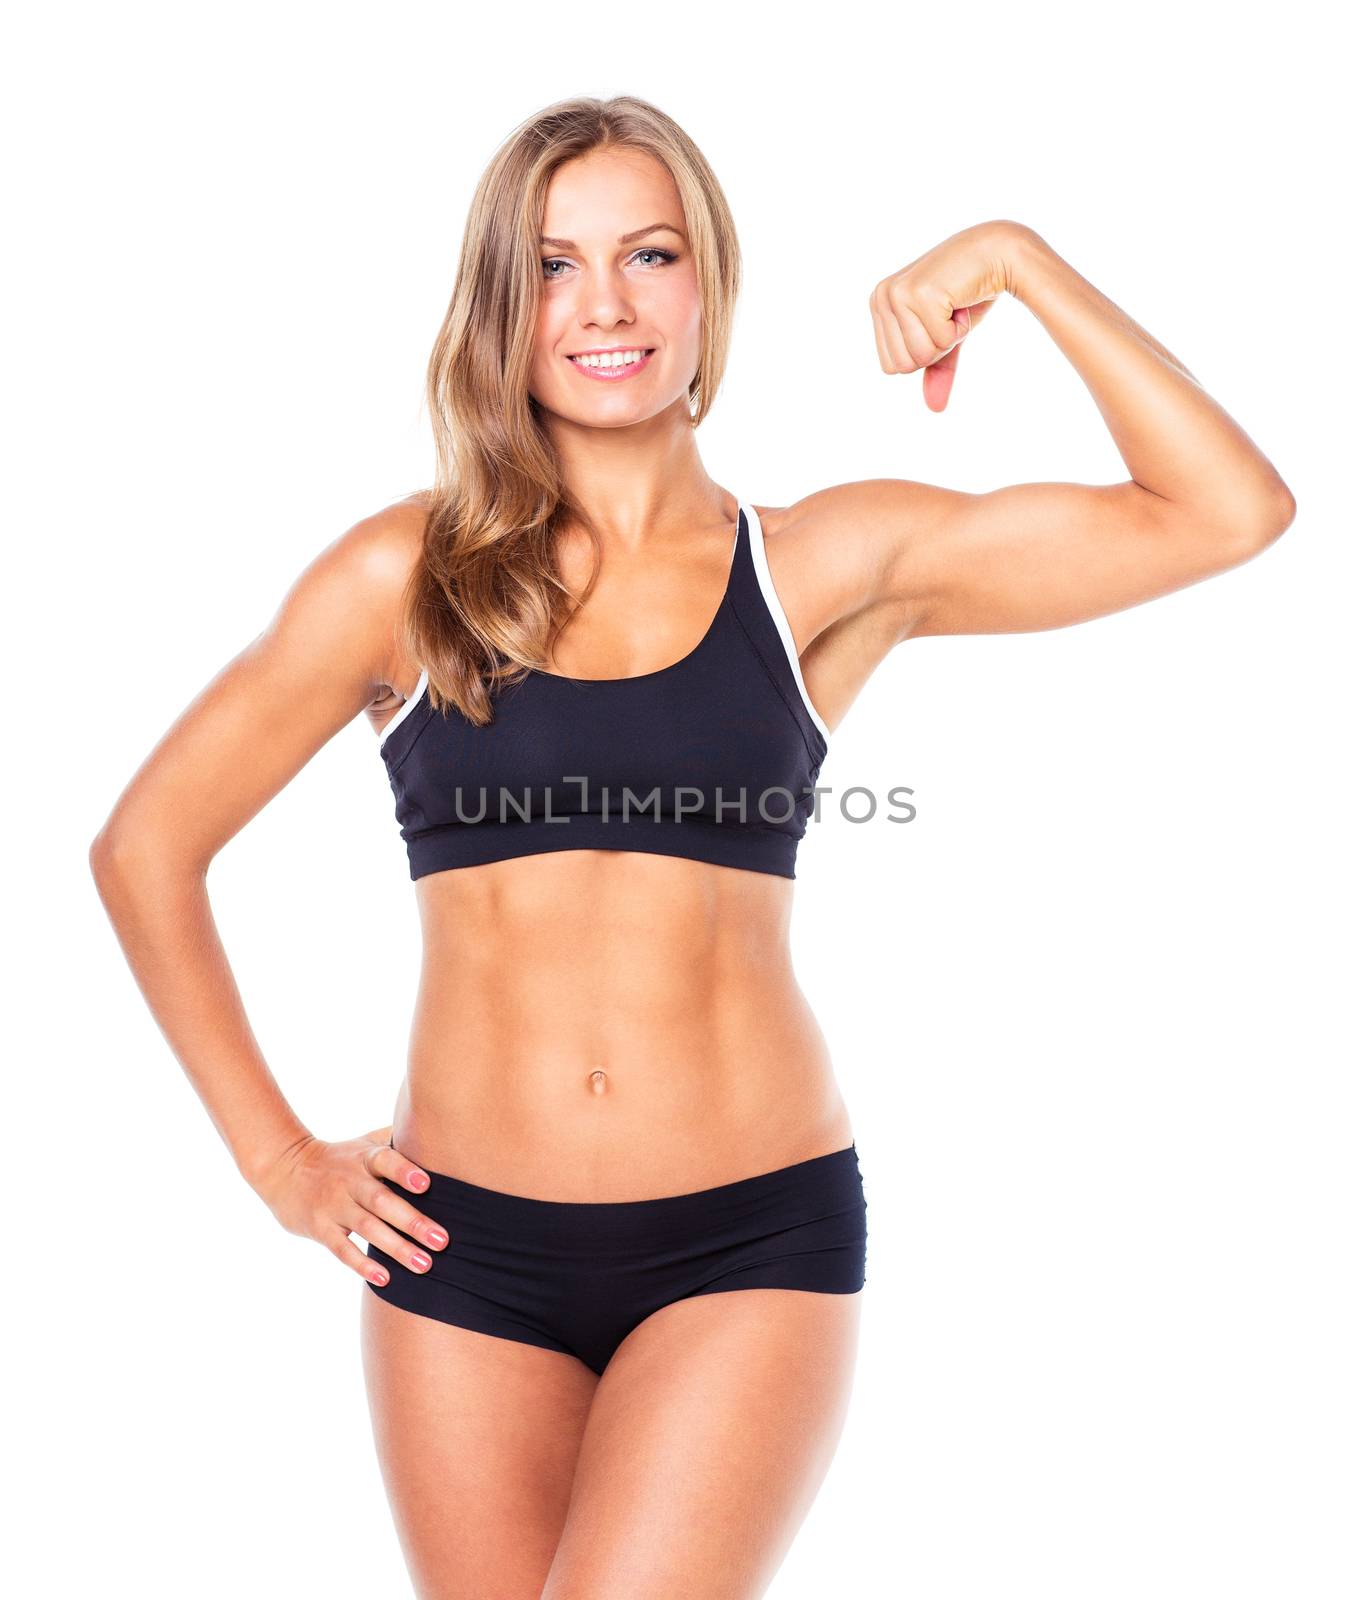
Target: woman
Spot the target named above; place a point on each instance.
(615, 1237)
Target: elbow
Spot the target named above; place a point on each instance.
(130, 854)
(101, 853)
(1281, 513)
(1254, 529)
(121, 857)
(109, 858)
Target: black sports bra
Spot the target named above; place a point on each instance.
(713, 758)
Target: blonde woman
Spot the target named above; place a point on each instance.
(614, 1241)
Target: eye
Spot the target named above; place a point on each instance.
(665, 258)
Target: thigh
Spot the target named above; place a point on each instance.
(477, 1439)
(709, 1435)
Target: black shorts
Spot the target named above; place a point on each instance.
(579, 1276)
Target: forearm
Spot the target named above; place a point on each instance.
(1175, 439)
(161, 914)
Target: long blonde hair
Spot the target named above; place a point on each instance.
(485, 601)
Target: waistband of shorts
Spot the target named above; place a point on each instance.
(833, 1172)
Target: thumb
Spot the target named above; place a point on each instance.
(937, 389)
(938, 378)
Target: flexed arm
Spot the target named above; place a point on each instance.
(1201, 497)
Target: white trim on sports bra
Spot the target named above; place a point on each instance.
(778, 615)
(406, 709)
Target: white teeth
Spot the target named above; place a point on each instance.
(615, 358)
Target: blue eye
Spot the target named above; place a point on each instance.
(666, 258)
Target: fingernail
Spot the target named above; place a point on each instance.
(378, 1277)
(421, 1261)
(419, 1180)
(437, 1237)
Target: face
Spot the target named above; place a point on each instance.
(616, 274)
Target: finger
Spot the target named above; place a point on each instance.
(395, 1209)
(928, 325)
(977, 312)
(389, 1240)
(938, 379)
(345, 1249)
(902, 358)
(895, 356)
(385, 1162)
(881, 349)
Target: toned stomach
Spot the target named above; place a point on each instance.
(609, 1025)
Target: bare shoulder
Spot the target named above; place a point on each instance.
(833, 552)
(382, 549)
(367, 569)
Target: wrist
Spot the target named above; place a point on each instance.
(1025, 256)
(256, 1165)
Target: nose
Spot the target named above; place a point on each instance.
(605, 301)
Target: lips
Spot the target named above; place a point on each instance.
(611, 374)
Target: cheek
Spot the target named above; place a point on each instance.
(545, 330)
(678, 310)
(687, 339)
(548, 338)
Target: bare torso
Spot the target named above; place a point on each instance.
(612, 1025)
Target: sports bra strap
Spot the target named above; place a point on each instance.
(757, 549)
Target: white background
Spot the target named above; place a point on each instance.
(1094, 1011)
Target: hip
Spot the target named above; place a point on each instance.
(580, 1277)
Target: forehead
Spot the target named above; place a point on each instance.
(607, 193)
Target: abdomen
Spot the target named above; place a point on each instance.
(602, 1025)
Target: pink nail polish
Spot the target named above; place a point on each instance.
(436, 1237)
(419, 1180)
(421, 1261)
(378, 1277)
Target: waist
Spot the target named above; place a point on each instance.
(610, 1108)
(587, 1024)
(689, 1220)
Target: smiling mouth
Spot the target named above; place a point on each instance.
(613, 365)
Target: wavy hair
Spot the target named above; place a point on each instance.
(484, 603)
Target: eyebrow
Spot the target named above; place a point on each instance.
(625, 238)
